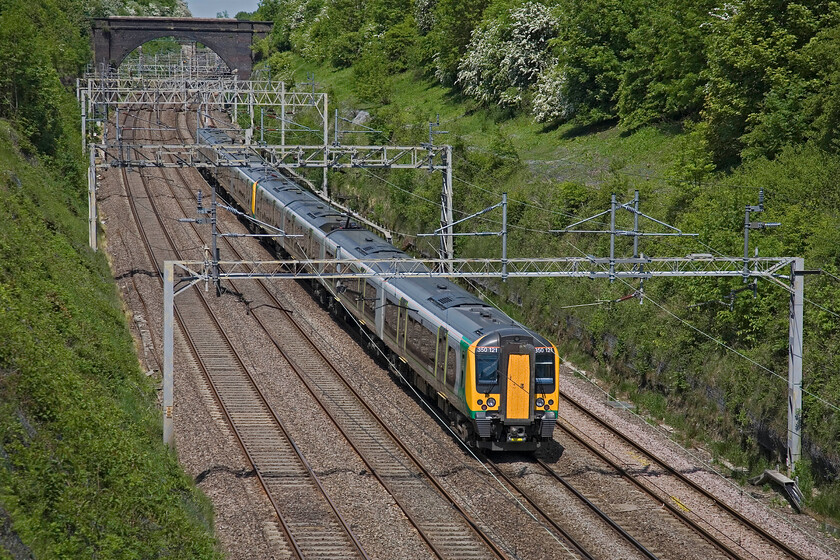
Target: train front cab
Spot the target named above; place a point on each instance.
(511, 390)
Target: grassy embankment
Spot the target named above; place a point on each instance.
(674, 373)
(83, 472)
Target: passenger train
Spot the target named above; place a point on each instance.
(495, 379)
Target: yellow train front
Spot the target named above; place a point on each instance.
(511, 390)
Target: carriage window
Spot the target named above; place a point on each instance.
(353, 291)
(391, 310)
(544, 372)
(450, 367)
(370, 300)
(328, 255)
(421, 342)
(486, 371)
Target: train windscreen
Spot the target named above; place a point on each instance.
(544, 370)
(486, 370)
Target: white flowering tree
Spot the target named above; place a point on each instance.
(506, 55)
(550, 103)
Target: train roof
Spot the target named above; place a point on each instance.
(444, 299)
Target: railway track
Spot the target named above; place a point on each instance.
(445, 526)
(553, 508)
(683, 498)
(236, 391)
(313, 526)
(423, 500)
(315, 380)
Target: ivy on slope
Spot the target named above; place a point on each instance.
(83, 473)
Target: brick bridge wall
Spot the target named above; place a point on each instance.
(115, 37)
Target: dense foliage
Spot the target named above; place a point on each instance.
(761, 74)
(564, 102)
(83, 473)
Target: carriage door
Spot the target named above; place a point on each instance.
(402, 324)
(518, 386)
(441, 354)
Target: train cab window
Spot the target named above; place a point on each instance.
(486, 371)
(544, 372)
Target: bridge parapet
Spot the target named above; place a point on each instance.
(115, 37)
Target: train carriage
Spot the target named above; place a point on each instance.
(495, 379)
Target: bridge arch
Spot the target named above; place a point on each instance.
(115, 37)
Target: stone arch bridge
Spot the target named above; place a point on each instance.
(231, 39)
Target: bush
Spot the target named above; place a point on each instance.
(506, 55)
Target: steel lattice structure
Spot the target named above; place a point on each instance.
(100, 95)
(215, 92)
(118, 154)
(560, 267)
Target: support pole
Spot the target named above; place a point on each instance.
(83, 102)
(92, 199)
(215, 247)
(747, 242)
(168, 349)
(119, 136)
(235, 102)
(636, 225)
(447, 249)
(249, 132)
(326, 144)
(797, 297)
(612, 238)
(282, 113)
(504, 237)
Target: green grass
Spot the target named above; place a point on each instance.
(83, 471)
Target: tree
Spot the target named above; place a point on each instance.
(662, 75)
(757, 75)
(507, 53)
(591, 50)
(40, 49)
(454, 21)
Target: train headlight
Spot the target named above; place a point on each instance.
(480, 402)
(491, 402)
(540, 402)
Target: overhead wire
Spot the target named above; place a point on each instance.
(733, 350)
(431, 409)
(533, 230)
(666, 434)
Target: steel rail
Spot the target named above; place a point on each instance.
(146, 313)
(364, 455)
(285, 523)
(678, 475)
(154, 261)
(532, 501)
(431, 540)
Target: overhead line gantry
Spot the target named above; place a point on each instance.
(101, 94)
